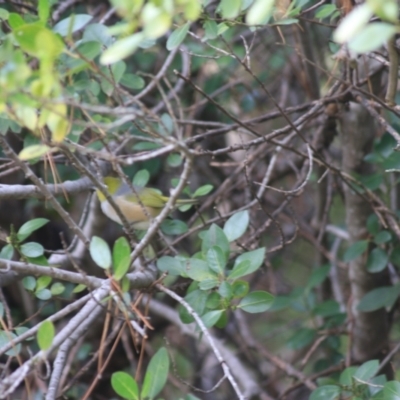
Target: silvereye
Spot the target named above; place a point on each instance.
(132, 204)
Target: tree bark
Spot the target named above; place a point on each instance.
(369, 329)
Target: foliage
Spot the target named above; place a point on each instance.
(234, 103)
(359, 382)
(154, 380)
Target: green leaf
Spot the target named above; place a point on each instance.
(207, 284)
(230, 9)
(247, 263)
(240, 269)
(237, 225)
(318, 276)
(89, 50)
(45, 335)
(353, 23)
(177, 36)
(172, 265)
(42, 282)
(15, 21)
(33, 152)
(211, 318)
(302, 338)
(226, 290)
(44, 10)
(373, 225)
(97, 33)
(328, 392)
(203, 190)
(215, 236)
(29, 227)
(174, 160)
(210, 30)
(29, 283)
(31, 38)
(256, 302)
(79, 288)
(377, 260)
(325, 11)
(197, 299)
(240, 289)
(41, 260)
(32, 249)
(384, 296)
(355, 250)
(383, 237)
(174, 227)
(372, 37)
(216, 259)
(367, 370)
(7, 337)
(7, 252)
(57, 288)
(156, 20)
(395, 256)
(4, 14)
(100, 252)
(213, 301)
(121, 257)
(43, 294)
(260, 12)
(198, 270)
(327, 308)
(166, 126)
(124, 385)
(72, 24)
(391, 390)
(156, 374)
(121, 49)
(346, 377)
(141, 178)
(373, 181)
(132, 81)
(118, 70)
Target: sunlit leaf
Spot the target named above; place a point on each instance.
(259, 12)
(353, 23)
(124, 385)
(121, 49)
(372, 37)
(230, 8)
(44, 10)
(45, 335)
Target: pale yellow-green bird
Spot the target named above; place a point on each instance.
(136, 207)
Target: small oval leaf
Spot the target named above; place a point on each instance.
(100, 252)
(256, 302)
(45, 335)
(124, 385)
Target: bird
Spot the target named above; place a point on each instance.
(138, 208)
